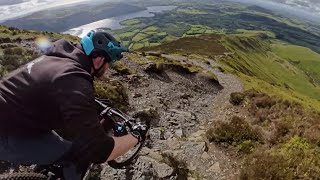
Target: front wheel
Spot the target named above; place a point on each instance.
(23, 176)
(127, 158)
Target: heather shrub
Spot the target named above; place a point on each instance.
(236, 98)
(295, 159)
(114, 91)
(234, 132)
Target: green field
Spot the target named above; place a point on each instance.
(220, 18)
(130, 22)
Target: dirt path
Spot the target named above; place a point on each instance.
(186, 104)
(225, 166)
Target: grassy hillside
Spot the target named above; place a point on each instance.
(278, 135)
(276, 68)
(262, 62)
(193, 45)
(301, 57)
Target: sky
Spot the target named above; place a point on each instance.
(305, 9)
(308, 5)
(29, 6)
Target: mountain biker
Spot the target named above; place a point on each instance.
(55, 91)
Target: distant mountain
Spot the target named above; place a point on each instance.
(63, 19)
(306, 9)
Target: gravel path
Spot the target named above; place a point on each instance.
(186, 104)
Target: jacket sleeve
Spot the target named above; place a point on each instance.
(75, 98)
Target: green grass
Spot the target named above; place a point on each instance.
(196, 30)
(175, 29)
(294, 159)
(137, 45)
(13, 33)
(260, 66)
(136, 58)
(301, 57)
(151, 32)
(200, 29)
(150, 29)
(126, 35)
(223, 18)
(125, 43)
(206, 45)
(286, 71)
(250, 32)
(252, 82)
(138, 37)
(130, 22)
(13, 54)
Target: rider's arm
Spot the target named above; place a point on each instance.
(122, 145)
(75, 98)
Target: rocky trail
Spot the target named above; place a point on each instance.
(184, 107)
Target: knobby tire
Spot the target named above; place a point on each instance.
(23, 176)
(121, 165)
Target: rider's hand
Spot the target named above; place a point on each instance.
(140, 131)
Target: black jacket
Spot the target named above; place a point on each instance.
(55, 91)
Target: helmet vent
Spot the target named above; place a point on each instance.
(100, 42)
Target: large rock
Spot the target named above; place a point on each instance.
(148, 114)
(182, 113)
(205, 156)
(161, 170)
(179, 133)
(151, 153)
(215, 168)
(173, 143)
(197, 136)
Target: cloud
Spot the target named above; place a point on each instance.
(290, 7)
(30, 6)
(308, 5)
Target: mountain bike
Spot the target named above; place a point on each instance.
(114, 122)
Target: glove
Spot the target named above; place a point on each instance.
(140, 131)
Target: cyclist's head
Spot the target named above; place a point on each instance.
(99, 43)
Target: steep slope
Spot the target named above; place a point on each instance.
(274, 67)
(275, 129)
(262, 62)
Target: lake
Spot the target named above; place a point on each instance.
(114, 22)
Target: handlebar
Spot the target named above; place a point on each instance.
(122, 124)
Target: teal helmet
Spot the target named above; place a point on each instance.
(99, 40)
